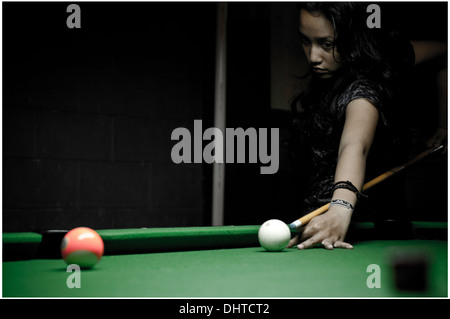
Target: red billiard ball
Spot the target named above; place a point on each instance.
(82, 246)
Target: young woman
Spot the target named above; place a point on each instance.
(349, 107)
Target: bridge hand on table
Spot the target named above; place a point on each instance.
(328, 229)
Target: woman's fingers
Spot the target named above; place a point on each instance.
(294, 241)
(313, 234)
(341, 244)
(307, 243)
(328, 243)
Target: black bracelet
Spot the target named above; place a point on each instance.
(342, 202)
(347, 185)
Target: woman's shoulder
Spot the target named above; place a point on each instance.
(360, 88)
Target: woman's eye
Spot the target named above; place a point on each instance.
(328, 45)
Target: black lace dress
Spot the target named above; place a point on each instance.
(319, 129)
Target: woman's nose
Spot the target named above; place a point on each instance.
(314, 55)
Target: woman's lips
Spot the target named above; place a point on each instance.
(321, 71)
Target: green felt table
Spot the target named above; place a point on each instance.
(224, 262)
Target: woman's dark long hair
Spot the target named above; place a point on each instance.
(378, 54)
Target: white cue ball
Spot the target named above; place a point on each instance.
(274, 235)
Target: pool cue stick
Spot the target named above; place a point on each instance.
(307, 218)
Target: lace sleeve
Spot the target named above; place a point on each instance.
(359, 89)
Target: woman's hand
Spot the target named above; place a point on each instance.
(328, 229)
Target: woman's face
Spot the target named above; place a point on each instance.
(318, 38)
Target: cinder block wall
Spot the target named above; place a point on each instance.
(88, 114)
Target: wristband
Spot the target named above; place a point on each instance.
(343, 203)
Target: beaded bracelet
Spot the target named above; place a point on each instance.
(343, 203)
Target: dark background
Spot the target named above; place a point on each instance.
(88, 114)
